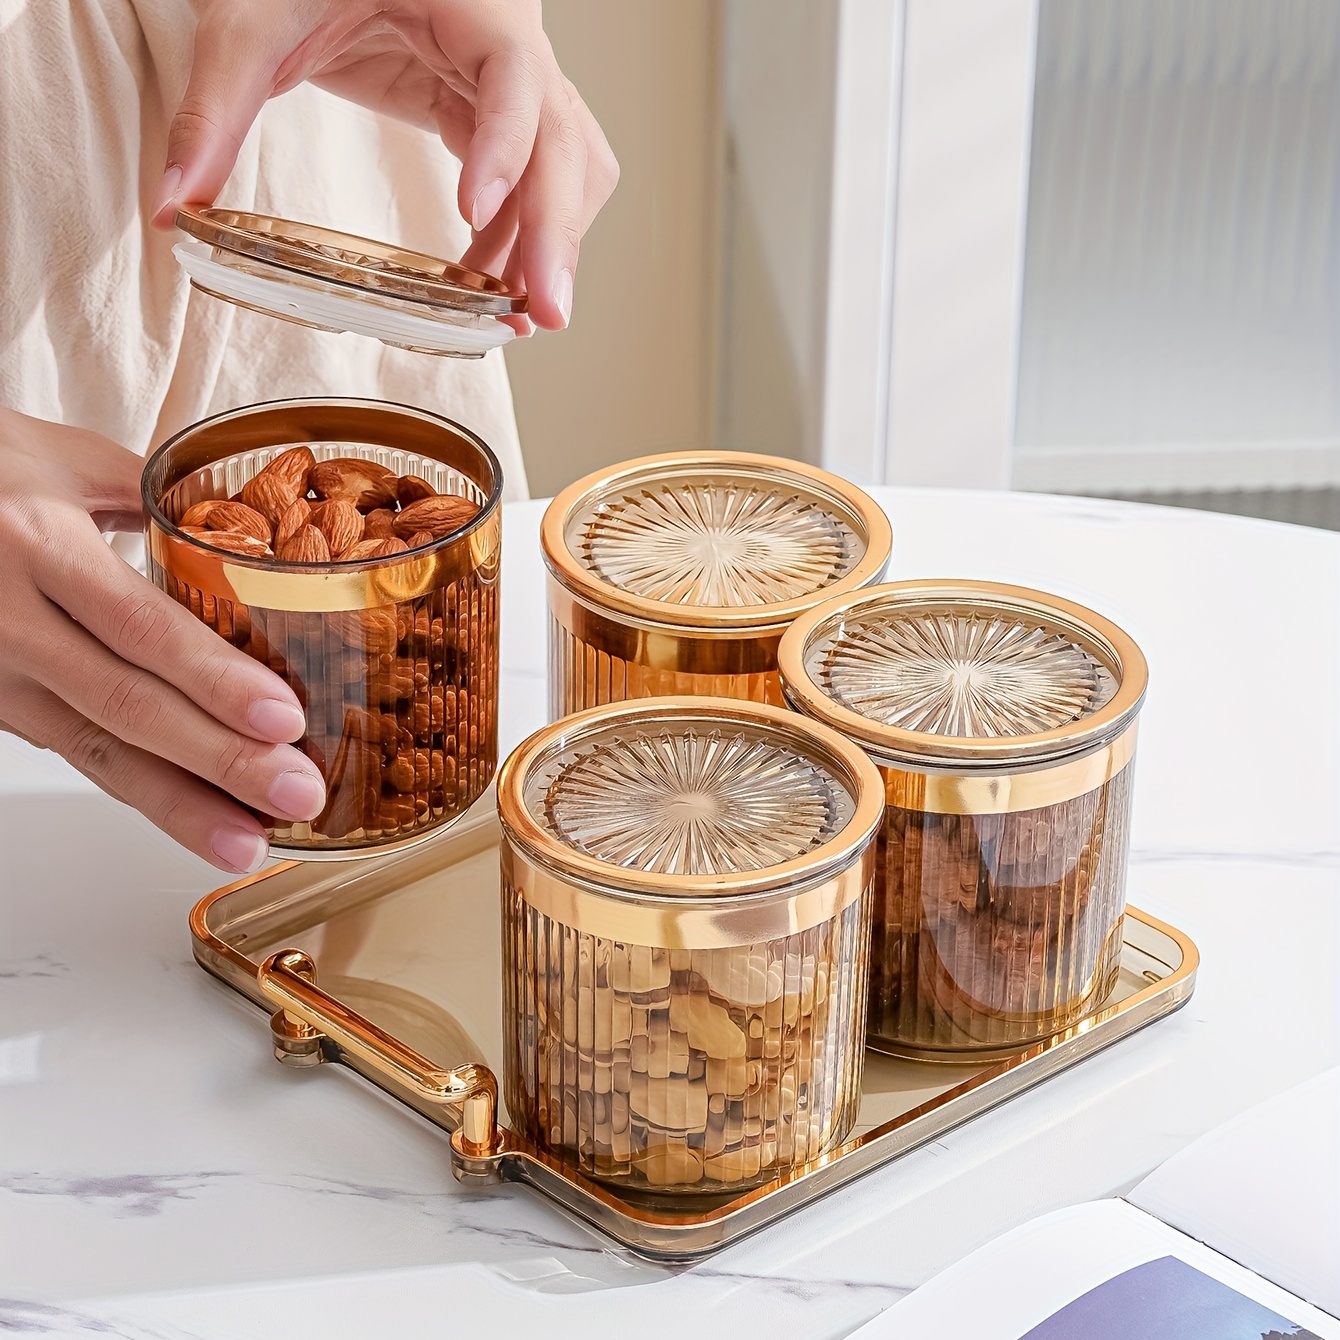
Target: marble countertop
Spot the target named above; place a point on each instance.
(161, 1176)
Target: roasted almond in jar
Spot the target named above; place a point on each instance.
(685, 888)
(1004, 723)
(278, 525)
(679, 573)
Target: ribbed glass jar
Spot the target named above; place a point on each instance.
(1003, 721)
(395, 660)
(677, 574)
(685, 889)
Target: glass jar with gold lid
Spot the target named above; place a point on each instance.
(679, 573)
(391, 643)
(685, 888)
(1004, 722)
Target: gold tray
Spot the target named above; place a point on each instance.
(409, 995)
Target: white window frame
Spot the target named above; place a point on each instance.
(932, 129)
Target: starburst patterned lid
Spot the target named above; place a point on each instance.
(692, 795)
(964, 672)
(720, 540)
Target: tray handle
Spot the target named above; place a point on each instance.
(306, 1014)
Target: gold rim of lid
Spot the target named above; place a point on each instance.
(1063, 623)
(841, 501)
(810, 742)
(360, 263)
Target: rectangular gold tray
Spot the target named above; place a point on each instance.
(407, 950)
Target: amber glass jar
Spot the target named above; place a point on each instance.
(1004, 723)
(678, 574)
(395, 660)
(685, 889)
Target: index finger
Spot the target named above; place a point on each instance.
(149, 629)
(236, 61)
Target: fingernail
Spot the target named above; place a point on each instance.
(297, 795)
(167, 190)
(241, 849)
(274, 719)
(563, 294)
(487, 203)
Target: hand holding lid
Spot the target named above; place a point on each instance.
(536, 168)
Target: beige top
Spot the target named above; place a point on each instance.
(100, 329)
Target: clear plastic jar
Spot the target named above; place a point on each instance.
(686, 890)
(678, 574)
(395, 659)
(1004, 723)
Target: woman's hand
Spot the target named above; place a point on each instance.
(99, 665)
(536, 168)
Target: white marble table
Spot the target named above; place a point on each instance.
(161, 1176)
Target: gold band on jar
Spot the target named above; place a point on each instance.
(683, 923)
(1007, 792)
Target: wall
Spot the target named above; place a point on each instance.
(1183, 265)
(634, 373)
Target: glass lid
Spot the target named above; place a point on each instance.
(964, 671)
(319, 277)
(719, 539)
(684, 796)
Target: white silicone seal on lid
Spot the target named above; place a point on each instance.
(327, 305)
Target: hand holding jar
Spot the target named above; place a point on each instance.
(536, 168)
(106, 670)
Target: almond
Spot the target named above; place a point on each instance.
(236, 542)
(378, 524)
(239, 517)
(410, 488)
(270, 494)
(438, 516)
(297, 515)
(366, 549)
(197, 514)
(292, 466)
(307, 546)
(371, 630)
(340, 522)
(419, 539)
(364, 483)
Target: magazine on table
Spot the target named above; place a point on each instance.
(1235, 1238)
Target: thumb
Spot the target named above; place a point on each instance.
(233, 73)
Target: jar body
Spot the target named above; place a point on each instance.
(993, 930)
(395, 661)
(680, 1069)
